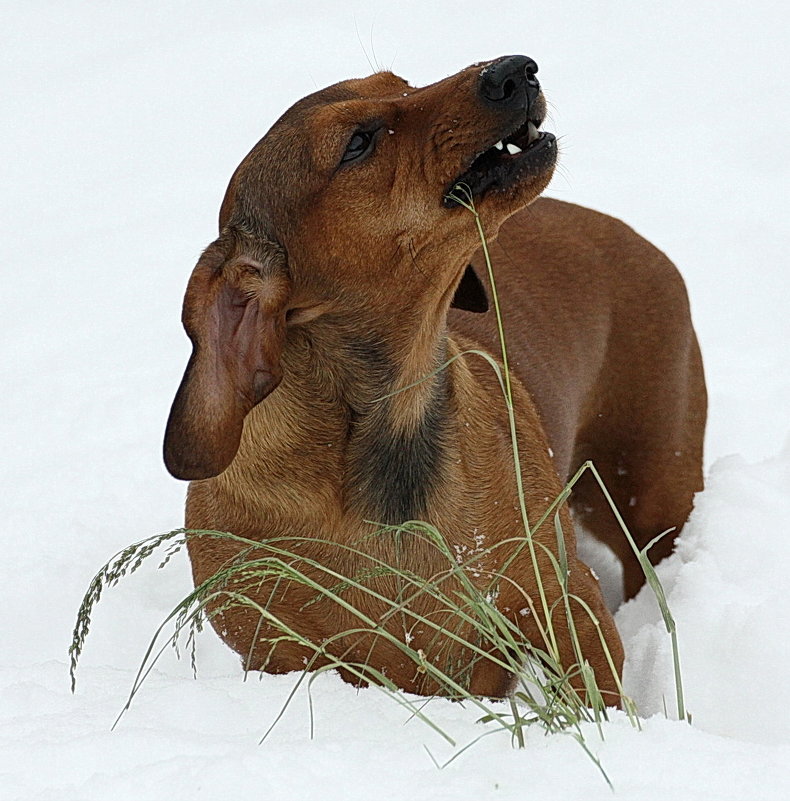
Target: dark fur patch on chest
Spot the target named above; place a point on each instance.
(392, 474)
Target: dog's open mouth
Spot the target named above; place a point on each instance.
(524, 152)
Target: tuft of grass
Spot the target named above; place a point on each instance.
(545, 691)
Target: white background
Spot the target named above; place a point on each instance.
(121, 125)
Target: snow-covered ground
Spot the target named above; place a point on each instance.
(121, 125)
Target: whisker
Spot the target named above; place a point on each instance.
(362, 45)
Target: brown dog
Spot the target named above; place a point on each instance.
(339, 258)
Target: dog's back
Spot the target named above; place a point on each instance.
(598, 329)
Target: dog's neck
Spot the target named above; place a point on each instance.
(393, 401)
(397, 445)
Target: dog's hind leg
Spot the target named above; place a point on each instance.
(650, 459)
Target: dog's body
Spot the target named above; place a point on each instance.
(598, 320)
(332, 280)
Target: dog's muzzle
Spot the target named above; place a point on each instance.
(519, 150)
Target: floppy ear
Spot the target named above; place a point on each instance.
(234, 313)
(470, 294)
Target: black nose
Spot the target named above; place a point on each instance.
(509, 82)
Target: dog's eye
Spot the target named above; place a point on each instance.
(360, 144)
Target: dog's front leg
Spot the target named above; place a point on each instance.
(566, 622)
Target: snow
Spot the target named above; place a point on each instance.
(121, 126)
(731, 648)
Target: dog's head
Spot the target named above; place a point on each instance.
(354, 206)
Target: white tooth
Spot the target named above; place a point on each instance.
(513, 149)
(499, 145)
(532, 132)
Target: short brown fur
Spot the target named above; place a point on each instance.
(333, 283)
